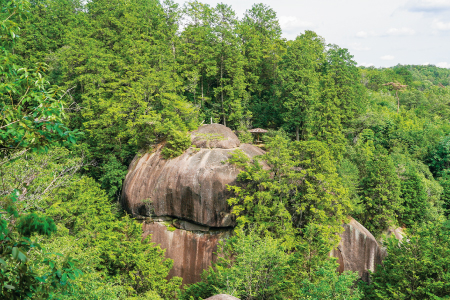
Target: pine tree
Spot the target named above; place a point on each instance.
(380, 190)
(260, 36)
(300, 79)
(230, 93)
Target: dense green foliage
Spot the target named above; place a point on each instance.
(416, 268)
(31, 110)
(301, 186)
(260, 268)
(84, 85)
(84, 228)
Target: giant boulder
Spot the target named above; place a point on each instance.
(188, 193)
(191, 187)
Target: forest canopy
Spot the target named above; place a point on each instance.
(85, 85)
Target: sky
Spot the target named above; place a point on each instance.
(379, 33)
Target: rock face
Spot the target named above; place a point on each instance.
(192, 186)
(191, 251)
(358, 250)
(190, 193)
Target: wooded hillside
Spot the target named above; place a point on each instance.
(86, 85)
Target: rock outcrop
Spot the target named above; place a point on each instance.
(190, 187)
(358, 250)
(397, 232)
(188, 194)
(191, 251)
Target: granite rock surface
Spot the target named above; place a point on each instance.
(190, 187)
(191, 251)
(189, 194)
(358, 250)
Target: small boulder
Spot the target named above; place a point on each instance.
(215, 136)
(222, 297)
(397, 232)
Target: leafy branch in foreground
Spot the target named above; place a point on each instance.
(31, 110)
(22, 277)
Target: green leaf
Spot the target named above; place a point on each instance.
(22, 257)
(15, 252)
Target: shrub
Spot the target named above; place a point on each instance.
(176, 143)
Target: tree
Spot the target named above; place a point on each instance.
(84, 210)
(32, 119)
(124, 68)
(325, 122)
(230, 90)
(414, 199)
(300, 81)
(380, 190)
(32, 111)
(416, 267)
(260, 36)
(301, 187)
(45, 29)
(444, 181)
(397, 87)
(196, 51)
(347, 82)
(439, 157)
(258, 271)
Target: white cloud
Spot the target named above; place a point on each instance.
(387, 57)
(366, 64)
(443, 65)
(290, 24)
(428, 6)
(439, 25)
(404, 31)
(359, 47)
(362, 34)
(400, 31)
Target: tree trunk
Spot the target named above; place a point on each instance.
(297, 133)
(398, 101)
